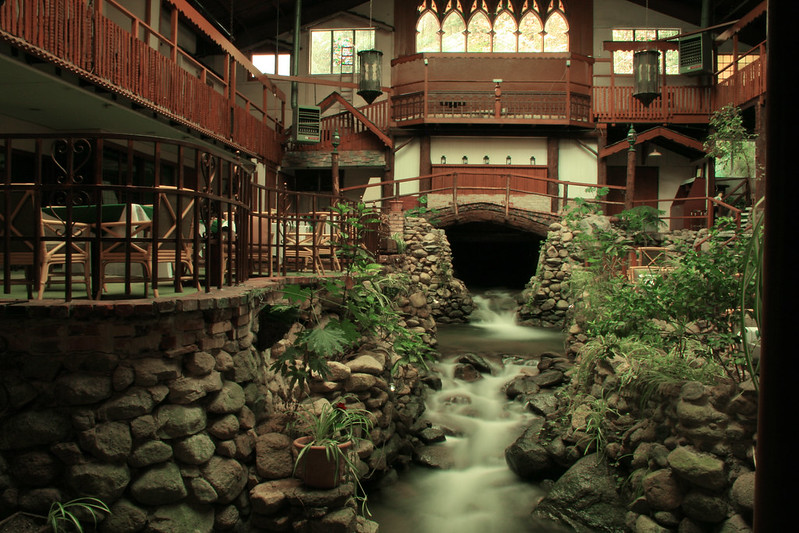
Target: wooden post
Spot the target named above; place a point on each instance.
(553, 152)
(630, 192)
(602, 163)
(425, 165)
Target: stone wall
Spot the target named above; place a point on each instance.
(167, 412)
(546, 299)
(429, 263)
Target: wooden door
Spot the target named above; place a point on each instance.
(646, 187)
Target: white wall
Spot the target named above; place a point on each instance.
(577, 162)
(496, 148)
(406, 164)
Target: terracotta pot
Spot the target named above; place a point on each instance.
(315, 469)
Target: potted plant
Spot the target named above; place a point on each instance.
(331, 432)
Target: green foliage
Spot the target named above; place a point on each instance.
(751, 290)
(730, 143)
(641, 221)
(332, 425)
(686, 315)
(69, 515)
(423, 211)
(362, 302)
(598, 424)
(579, 208)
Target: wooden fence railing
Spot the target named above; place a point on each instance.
(107, 44)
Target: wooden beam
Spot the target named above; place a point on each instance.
(743, 21)
(649, 135)
(335, 97)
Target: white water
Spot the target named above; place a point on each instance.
(479, 494)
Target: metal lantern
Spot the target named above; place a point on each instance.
(646, 68)
(369, 84)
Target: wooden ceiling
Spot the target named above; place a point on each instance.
(256, 24)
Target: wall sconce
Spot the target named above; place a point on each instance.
(507, 160)
(443, 160)
(465, 160)
(486, 160)
(532, 160)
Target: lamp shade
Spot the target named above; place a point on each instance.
(646, 69)
(371, 69)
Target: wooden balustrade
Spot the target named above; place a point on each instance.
(143, 65)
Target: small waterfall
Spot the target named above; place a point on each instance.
(479, 494)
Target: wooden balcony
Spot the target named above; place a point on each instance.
(491, 89)
(111, 48)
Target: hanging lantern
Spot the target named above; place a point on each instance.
(369, 84)
(646, 67)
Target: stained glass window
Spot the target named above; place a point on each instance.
(336, 51)
(454, 33)
(480, 35)
(504, 33)
(427, 37)
(479, 39)
(530, 37)
(556, 33)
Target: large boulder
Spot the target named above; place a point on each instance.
(585, 499)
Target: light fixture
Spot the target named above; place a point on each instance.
(507, 160)
(465, 160)
(631, 137)
(655, 152)
(443, 160)
(532, 160)
(646, 67)
(371, 67)
(486, 160)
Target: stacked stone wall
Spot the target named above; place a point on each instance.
(166, 410)
(429, 264)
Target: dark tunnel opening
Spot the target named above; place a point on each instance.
(487, 255)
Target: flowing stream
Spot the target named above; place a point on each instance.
(479, 494)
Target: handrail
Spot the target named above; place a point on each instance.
(82, 38)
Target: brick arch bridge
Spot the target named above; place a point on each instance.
(529, 221)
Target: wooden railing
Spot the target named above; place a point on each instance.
(517, 88)
(108, 45)
(66, 197)
(741, 84)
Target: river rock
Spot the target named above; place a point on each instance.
(467, 373)
(543, 403)
(125, 517)
(227, 476)
(110, 442)
(161, 484)
(177, 421)
(438, 457)
(180, 518)
(33, 428)
(702, 469)
(479, 364)
(273, 456)
(106, 482)
(195, 449)
(528, 458)
(585, 498)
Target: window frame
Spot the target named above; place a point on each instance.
(332, 50)
(672, 60)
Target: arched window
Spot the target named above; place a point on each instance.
(428, 38)
(531, 38)
(479, 36)
(454, 33)
(504, 32)
(556, 33)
